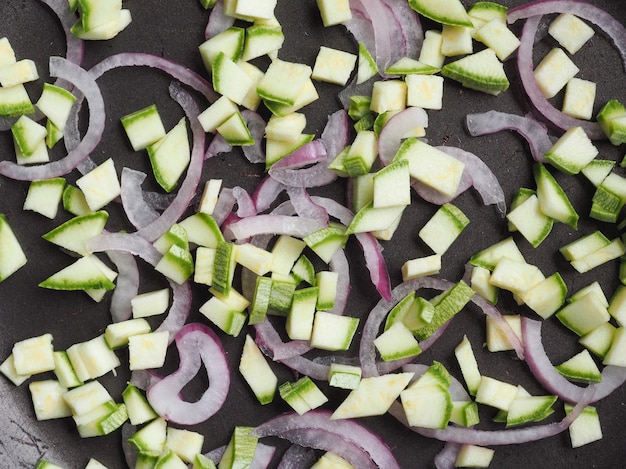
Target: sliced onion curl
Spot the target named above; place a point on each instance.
(491, 122)
(218, 21)
(324, 433)
(138, 212)
(197, 344)
(256, 125)
(297, 457)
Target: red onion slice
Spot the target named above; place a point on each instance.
(383, 25)
(539, 101)
(297, 457)
(126, 287)
(75, 47)
(197, 344)
(555, 383)
(409, 26)
(305, 207)
(361, 27)
(345, 430)
(140, 59)
(218, 21)
(396, 128)
(217, 146)
(256, 125)
(189, 185)
(137, 211)
(266, 192)
(446, 458)
(272, 224)
(82, 80)
(245, 204)
(262, 456)
(490, 122)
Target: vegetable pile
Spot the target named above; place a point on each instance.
(244, 234)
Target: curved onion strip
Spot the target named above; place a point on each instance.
(74, 46)
(217, 146)
(130, 452)
(245, 204)
(127, 285)
(297, 457)
(309, 153)
(539, 101)
(141, 59)
(372, 249)
(62, 68)
(305, 207)
(256, 125)
(396, 128)
(143, 379)
(361, 27)
(347, 430)
(410, 27)
(189, 185)
(224, 207)
(196, 344)
(137, 211)
(266, 192)
(138, 246)
(339, 264)
(490, 122)
(446, 458)
(317, 175)
(483, 179)
(263, 455)
(218, 21)
(274, 224)
(605, 22)
(336, 132)
(432, 195)
(543, 370)
(473, 436)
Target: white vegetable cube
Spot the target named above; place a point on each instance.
(334, 11)
(443, 228)
(285, 128)
(468, 364)
(143, 127)
(262, 39)
(94, 464)
(427, 406)
(333, 332)
(176, 264)
(362, 153)
(497, 341)
(554, 71)
(150, 303)
(430, 53)
(255, 9)
(584, 315)
(257, 372)
(515, 275)
(223, 315)
(397, 342)
(326, 281)
(253, 258)
(94, 14)
(211, 192)
(333, 66)
(28, 135)
(147, 351)
(229, 41)
(44, 196)
(285, 252)
(331, 461)
(616, 354)
(425, 91)
(570, 32)
(33, 355)
(229, 80)
(7, 368)
(585, 428)
(392, 185)
(87, 397)
(56, 104)
(100, 185)
(18, 73)
(7, 54)
(497, 36)
(456, 40)
(203, 271)
(389, 95)
(93, 358)
(432, 166)
(252, 99)
(235, 131)
(184, 443)
(344, 376)
(579, 98)
(299, 323)
(496, 393)
(14, 101)
(117, 334)
(474, 456)
(421, 267)
(283, 81)
(48, 402)
(12, 256)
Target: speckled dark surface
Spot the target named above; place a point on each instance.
(174, 30)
